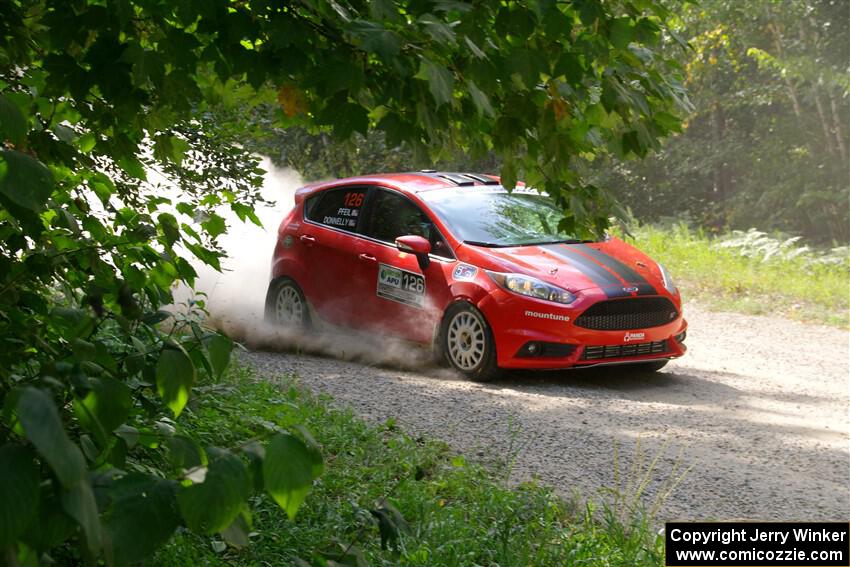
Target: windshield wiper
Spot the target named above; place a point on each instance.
(518, 244)
(567, 241)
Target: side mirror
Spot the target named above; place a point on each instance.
(413, 244)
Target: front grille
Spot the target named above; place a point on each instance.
(619, 351)
(625, 314)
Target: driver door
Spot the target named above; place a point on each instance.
(406, 299)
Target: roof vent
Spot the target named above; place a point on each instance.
(457, 179)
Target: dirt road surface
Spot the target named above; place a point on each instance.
(757, 411)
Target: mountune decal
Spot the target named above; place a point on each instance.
(551, 316)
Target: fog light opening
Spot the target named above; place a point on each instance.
(537, 349)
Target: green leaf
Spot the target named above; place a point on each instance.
(440, 81)
(208, 257)
(317, 465)
(437, 29)
(13, 125)
(73, 322)
(482, 103)
(19, 492)
(346, 119)
(212, 505)
(236, 534)
(169, 227)
(508, 174)
(175, 375)
(105, 407)
(52, 525)
(184, 453)
(142, 517)
(245, 212)
(214, 225)
(476, 51)
(179, 147)
(83, 350)
(383, 10)
(24, 180)
(79, 503)
(620, 33)
(288, 472)
(219, 348)
(43, 428)
(375, 38)
(132, 167)
(86, 142)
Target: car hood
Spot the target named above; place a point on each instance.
(577, 267)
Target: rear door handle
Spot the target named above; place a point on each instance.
(367, 258)
(308, 240)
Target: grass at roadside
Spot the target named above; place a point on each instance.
(458, 513)
(797, 285)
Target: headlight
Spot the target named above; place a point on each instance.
(668, 281)
(532, 287)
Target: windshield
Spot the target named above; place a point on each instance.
(498, 218)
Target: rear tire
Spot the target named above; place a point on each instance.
(467, 343)
(286, 305)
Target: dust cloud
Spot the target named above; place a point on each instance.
(235, 297)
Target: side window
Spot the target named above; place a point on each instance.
(339, 208)
(391, 215)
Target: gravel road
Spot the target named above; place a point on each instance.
(757, 411)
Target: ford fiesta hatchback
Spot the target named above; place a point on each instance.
(455, 261)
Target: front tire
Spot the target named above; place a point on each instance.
(467, 343)
(286, 305)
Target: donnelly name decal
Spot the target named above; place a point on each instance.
(634, 337)
(552, 316)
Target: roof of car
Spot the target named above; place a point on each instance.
(415, 182)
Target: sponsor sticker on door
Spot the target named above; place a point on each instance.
(401, 286)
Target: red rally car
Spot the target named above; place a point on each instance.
(455, 261)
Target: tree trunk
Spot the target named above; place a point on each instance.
(824, 121)
(789, 84)
(720, 175)
(836, 125)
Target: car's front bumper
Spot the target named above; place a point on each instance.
(532, 334)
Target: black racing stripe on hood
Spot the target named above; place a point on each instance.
(604, 279)
(622, 270)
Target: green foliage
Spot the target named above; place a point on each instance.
(122, 135)
(18, 492)
(289, 469)
(530, 90)
(175, 376)
(387, 498)
(211, 505)
(768, 142)
(753, 272)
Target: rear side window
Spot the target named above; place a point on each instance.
(392, 215)
(337, 208)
